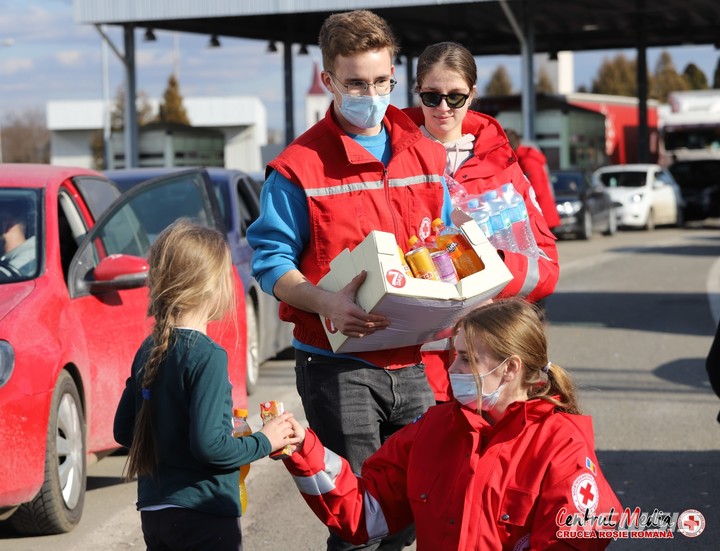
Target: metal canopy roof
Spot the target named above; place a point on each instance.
(481, 26)
(485, 27)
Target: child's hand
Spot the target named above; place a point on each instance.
(298, 432)
(280, 431)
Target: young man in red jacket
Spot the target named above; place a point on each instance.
(366, 166)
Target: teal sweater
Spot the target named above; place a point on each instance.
(191, 402)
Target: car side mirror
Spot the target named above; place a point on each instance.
(116, 272)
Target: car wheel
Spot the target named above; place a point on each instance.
(650, 222)
(587, 228)
(58, 506)
(253, 346)
(612, 223)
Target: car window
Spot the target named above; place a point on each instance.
(132, 224)
(97, 193)
(696, 174)
(20, 237)
(567, 183)
(623, 179)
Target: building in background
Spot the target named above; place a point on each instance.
(317, 99)
(237, 125)
(580, 131)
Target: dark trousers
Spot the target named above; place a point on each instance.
(180, 529)
(354, 408)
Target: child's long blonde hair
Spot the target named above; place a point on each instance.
(513, 327)
(190, 271)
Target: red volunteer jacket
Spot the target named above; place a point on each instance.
(350, 193)
(466, 485)
(534, 165)
(493, 164)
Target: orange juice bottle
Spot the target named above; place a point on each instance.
(241, 428)
(464, 257)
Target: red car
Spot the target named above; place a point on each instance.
(73, 305)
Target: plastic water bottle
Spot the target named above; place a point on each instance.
(502, 237)
(463, 256)
(457, 191)
(520, 221)
(242, 428)
(480, 212)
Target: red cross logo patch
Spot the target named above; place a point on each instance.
(691, 523)
(585, 493)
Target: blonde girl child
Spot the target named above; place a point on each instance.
(175, 412)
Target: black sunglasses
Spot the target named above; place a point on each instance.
(433, 99)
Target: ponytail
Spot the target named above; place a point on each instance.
(560, 383)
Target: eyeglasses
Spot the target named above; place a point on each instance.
(433, 99)
(382, 86)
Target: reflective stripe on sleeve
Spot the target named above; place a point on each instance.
(323, 481)
(374, 518)
(434, 346)
(532, 277)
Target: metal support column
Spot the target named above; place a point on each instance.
(131, 126)
(642, 91)
(410, 79)
(289, 103)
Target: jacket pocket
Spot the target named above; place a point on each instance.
(516, 508)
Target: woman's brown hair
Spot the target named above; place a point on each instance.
(514, 327)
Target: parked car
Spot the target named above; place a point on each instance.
(71, 322)
(239, 196)
(584, 206)
(644, 195)
(699, 181)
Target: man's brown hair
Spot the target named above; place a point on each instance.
(354, 32)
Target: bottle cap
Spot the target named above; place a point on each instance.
(437, 222)
(239, 412)
(414, 239)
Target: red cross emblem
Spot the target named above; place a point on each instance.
(691, 523)
(585, 494)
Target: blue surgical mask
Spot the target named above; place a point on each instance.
(364, 111)
(465, 391)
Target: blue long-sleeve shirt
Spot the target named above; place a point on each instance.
(282, 231)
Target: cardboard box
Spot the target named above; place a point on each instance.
(419, 310)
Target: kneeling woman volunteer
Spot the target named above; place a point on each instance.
(510, 463)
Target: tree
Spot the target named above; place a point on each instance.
(666, 79)
(25, 138)
(142, 103)
(544, 83)
(172, 108)
(499, 83)
(617, 77)
(695, 78)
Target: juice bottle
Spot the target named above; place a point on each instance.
(420, 261)
(464, 257)
(241, 428)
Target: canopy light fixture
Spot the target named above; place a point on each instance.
(214, 42)
(272, 47)
(149, 35)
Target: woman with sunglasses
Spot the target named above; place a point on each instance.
(480, 158)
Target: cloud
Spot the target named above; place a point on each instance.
(70, 58)
(15, 65)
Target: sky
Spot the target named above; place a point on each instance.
(45, 55)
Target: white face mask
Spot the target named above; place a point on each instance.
(363, 111)
(464, 387)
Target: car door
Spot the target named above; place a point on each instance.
(664, 201)
(597, 200)
(114, 320)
